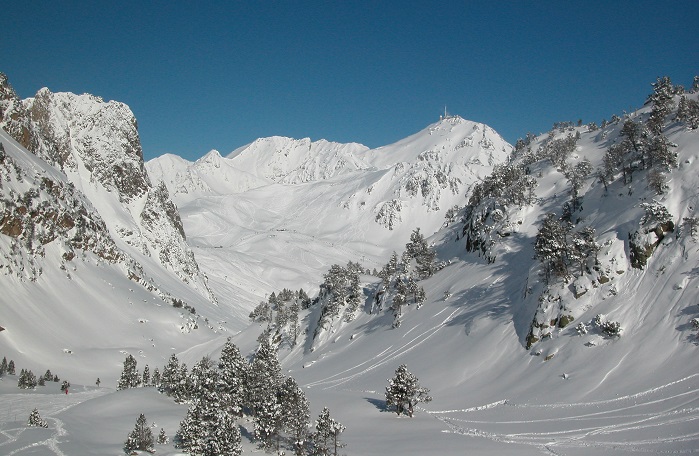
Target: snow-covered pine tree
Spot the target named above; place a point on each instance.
(180, 390)
(27, 379)
(420, 297)
(170, 376)
(268, 422)
(261, 313)
(550, 246)
(282, 316)
(418, 249)
(304, 299)
(404, 391)
(399, 300)
(583, 247)
(326, 439)
(155, 378)
(208, 428)
(688, 112)
(294, 328)
(129, 375)
(48, 376)
(576, 177)
(11, 367)
(264, 377)
(162, 438)
(3, 366)
(354, 295)
(659, 153)
(295, 411)
(233, 378)
(36, 420)
(662, 103)
(145, 378)
(141, 438)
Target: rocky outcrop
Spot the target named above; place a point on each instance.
(96, 145)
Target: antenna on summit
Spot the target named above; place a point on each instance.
(445, 113)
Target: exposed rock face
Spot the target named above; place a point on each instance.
(37, 210)
(96, 145)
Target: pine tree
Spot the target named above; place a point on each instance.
(268, 422)
(420, 297)
(27, 379)
(170, 376)
(129, 375)
(399, 300)
(662, 103)
(576, 176)
(233, 378)
(264, 376)
(261, 313)
(551, 246)
(304, 299)
(422, 253)
(48, 376)
(660, 155)
(404, 391)
(688, 112)
(389, 270)
(295, 412)
(354, 295)
(294, 327)
(11, 367)
(145, 378)
(326, 439)
(208, 429)
(3, 366)
(202, 379)
(155, 379)
(162, 438)
(36, 420)
(180, 389)
(141, 438)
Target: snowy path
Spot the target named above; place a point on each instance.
(17, 438)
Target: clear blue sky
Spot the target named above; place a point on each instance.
(205, 75)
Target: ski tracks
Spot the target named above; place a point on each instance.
(660, 419)
(17, 440)
(386, 356)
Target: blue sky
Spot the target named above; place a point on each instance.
(217, 75)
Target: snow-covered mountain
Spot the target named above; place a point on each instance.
(561, 317)
(322, 203)
(96, 145)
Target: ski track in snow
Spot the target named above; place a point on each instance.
(609, 427)
(17, 407)
(385, 356)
